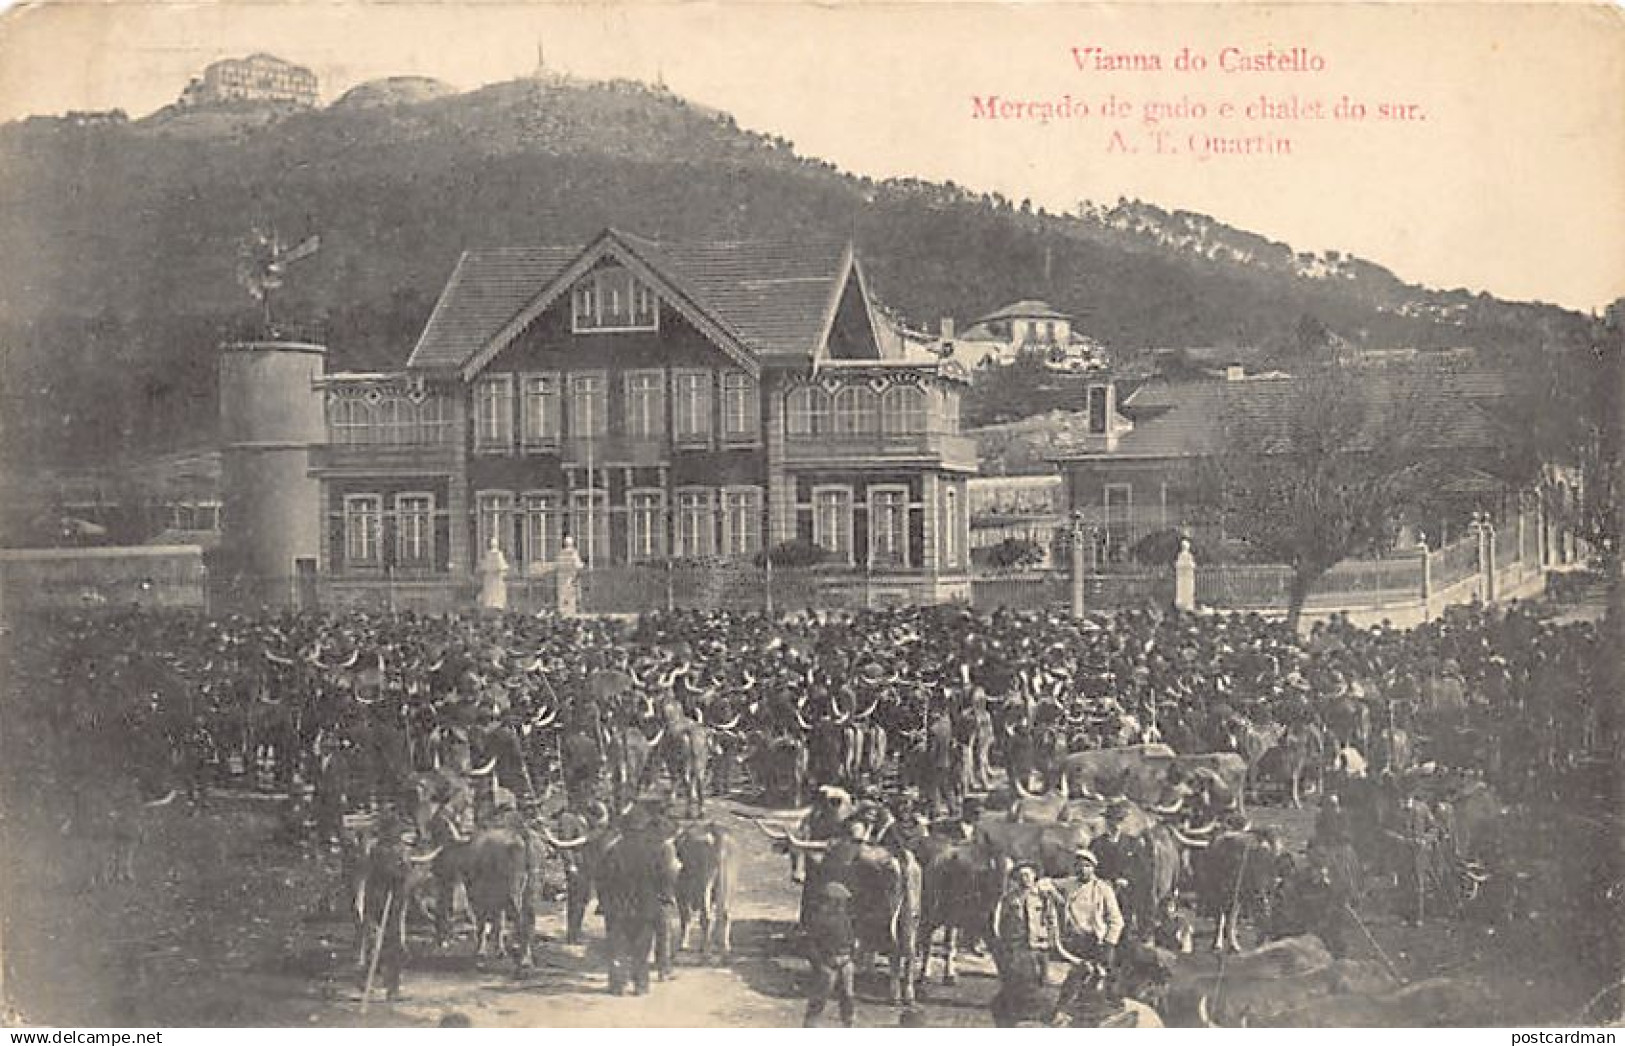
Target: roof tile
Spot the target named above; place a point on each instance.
(772, 295)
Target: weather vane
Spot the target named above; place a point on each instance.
(262, 259)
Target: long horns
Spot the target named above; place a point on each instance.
(166, 800)
(425, 858)
(562, 844)
(785, 836)
(484, 770)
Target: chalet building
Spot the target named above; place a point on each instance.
(656, 402)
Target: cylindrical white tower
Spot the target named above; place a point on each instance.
(270, 416)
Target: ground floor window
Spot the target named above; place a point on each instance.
(832, 521)
(646, 525)
(694, 524)
(741, 522)
(414, 530)
(589, 525)
(363, 528)
(888, 526)
(543, 526)
(494, 518)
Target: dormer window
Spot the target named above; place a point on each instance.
(612, 299)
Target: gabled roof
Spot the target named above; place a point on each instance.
(1026, 309)
(766, 301)
(1446, 410)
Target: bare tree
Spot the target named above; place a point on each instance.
(1314, 469)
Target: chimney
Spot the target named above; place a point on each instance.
(1234, 372)
(1102, 403)
(947, 328)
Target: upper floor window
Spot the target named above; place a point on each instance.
(645, 403)
(740, 413)
(543, 413)
(691, 414)
(855, 412)
(903, 410)
(612, 299)
(589, 405)
(806, 411)
(493, 413)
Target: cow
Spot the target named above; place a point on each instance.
(932, 767)
(779, 766)
(1255, 986)
(885, 884)
(1348, 723)
(960, 886)
(1235, 874)
(1392, 750)
(581, 759)
(705, 885)
(689, 759)
(588, 834)
(1297, 757)
(629, 760)
(1051, 845)
(826, 751)
(502, 869)
(1135, 771)
(1437, 1002)
(115, 820)
(637, 877)
(1252, 741)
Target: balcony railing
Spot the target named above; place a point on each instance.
(614, 449)
(949, 449)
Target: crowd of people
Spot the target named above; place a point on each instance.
(342, 708)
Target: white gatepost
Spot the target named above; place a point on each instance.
(1185, 577)
(494, 578)
(567, 575)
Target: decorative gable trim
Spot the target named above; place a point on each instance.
(610, 244)
(850, 268)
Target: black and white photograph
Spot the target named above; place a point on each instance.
(831, 515)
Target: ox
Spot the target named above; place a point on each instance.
(1259, 985)
(886, 890)
(705, 885)
(1236, 874)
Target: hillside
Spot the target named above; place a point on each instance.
(122, 243)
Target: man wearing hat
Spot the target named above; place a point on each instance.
(1025, 929)
(830, 944)
(1117, 855)
(1091, 920)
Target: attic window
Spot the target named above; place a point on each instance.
(612, 299)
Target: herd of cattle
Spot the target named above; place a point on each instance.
(504, 747)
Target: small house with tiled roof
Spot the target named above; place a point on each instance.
(1129, 467)
(656, 402)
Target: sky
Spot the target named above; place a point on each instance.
(1498, 164)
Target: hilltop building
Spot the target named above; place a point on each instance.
(257, 78)
(1028, 327)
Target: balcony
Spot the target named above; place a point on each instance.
(375, 458)
(615, 449)
(944, 449)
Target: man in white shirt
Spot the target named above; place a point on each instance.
(1092, 922)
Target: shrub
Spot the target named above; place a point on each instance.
(792, 554)
(1015, 554)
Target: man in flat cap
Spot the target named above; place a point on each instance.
(1091, 920)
